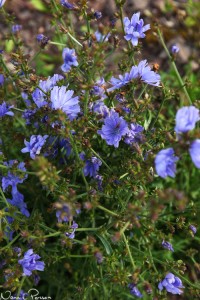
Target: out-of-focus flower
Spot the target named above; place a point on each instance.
(11, 179)
(100, 37)
(22, 296)
(100, 108)
(134, 290)
(42, 39)
(66, 4)
(35, 145)
(31, 262)
(194, 151)
(113, 129)
(172, 284)
(18, 201)
(2, 3)
(165, 163)
(134, 134)
(174, 49)
(99, 257)
(97, 15)
(92, 166)
(5, 110)
(62, 99)
(70, 59)
(135, 28)
(16, 28)
(28, 115)
(193, 229)
(1, 79)
(71, 234)
(167, 246)
(186, 118)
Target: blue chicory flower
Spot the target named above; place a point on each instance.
(5, 110)
(135, 28)
(172, 284)
(62, 99)
(2, 79)
(167, 246)
(71, 234)
(146, 74)
(66, 4)
(134, 134)
(16, 28)
(186, 118)
(2, 3)
(194, 151)
(97, 15)
(39, 97)
(11, 179)
(70, 59)
(174, 49)
(165, 163)
(99, 257)
(193, 229)
(31, 262)
(35, 145)
(114, 129)
(18, 201)
(100, 37)
(100, 108)
(92, 166)
(134, 290)
(118, 83)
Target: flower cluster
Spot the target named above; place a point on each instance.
(31, 262)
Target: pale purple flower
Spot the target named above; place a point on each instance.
(70, 59)
(193, 229)
(66, 4)
(167, 246)
(11, 179)
(172, 284)
(97, 15)
(39, 94)
(186, 118)
(16, 28)
(5, 110)
(2, 3)
(118, 83)
(18, 201)
(99, 257)
(71, 234)
(147, 75)
(31, 262)
(114, 129)
(64, 212)
(92, 166)
(35, 145)
(134, 290)
(135, 28)
(62, 99)
(174, 49)
(100, 108)
(42, 39)
(165, 163)
(194, 151)
(100, 37)
(134, 134)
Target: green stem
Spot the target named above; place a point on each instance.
(142, 91)
(12, 242)
(157, 115)
(57, 43)
(129, 251)
(108, 211)
(20, 287)
(125, 227)
(103, 161)
(3, 197)
(18, 170)
(182, 84)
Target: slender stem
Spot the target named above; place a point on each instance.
(108, 211)
(103, 161)
(18, 170)
(142, 91)
(182, 84)
(157, 115)
(75, 40)
(3, 197)
(86, 98)
(125, 227)
(12, 242)
(57, 43)
(129, 251)
(20, 287)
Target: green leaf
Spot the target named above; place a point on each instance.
(38, 5)
(106, 244)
